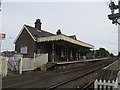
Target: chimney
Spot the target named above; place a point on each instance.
(38, 24)
(58, 32)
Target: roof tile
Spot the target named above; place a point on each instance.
(38, 33)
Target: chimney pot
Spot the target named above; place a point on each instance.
(38, 24)
(37, 20)
(58, 32)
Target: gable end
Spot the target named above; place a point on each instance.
(23, 28)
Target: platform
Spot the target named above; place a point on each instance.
(113, 66)
(80, 61)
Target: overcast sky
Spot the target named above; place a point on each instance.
(87, 20)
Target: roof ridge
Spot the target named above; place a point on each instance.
(71, 35)
(47, 32)
(41, 30)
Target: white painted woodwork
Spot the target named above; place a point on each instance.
(3, 67)
(64, 38)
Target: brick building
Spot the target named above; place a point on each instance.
(33, 41)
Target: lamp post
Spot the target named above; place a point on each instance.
(119, 31)
(119, 37)
(115, 17)
(119, 45)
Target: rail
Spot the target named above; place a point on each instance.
(34, 77)
(74, 78)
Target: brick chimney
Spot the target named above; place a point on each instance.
(58, 32)
(38, 24)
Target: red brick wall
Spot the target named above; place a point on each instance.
(25, 40)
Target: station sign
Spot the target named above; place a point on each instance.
(2, 36)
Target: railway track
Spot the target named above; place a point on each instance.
(37, 78)
(77, 77)
(33, 76)
(82, 68)
(43, 74)
(72, 79)
(88, 85)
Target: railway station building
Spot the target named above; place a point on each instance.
(33, 41)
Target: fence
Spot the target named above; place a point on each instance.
(3, 67)
(20, 64)
(103, 84)
(33, 63)
(107, 80)
(14, 64)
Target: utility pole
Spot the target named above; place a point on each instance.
(119, 46)
(115, 17)
(119, 31)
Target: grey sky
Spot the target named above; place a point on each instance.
(87, 20)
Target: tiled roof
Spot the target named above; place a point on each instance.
(41, 34)
(38, 33)
(106, 74)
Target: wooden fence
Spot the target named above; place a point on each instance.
(107, 80)
(15, 64)
(19, 64)
(33, 63)
(3, 66)
(106, 85)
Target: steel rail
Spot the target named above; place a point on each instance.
(88, 85)
(35, 78)
(72, 79)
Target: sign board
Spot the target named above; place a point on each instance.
(2, 36)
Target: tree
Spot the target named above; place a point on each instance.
(102, 52)
(112, 55)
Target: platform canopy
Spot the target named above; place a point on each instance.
(62, 37)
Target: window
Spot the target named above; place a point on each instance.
(62, 54)
(38, 51)
(24, 50)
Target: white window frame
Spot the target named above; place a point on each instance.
(24, 50)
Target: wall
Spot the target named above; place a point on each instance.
(25, 40)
